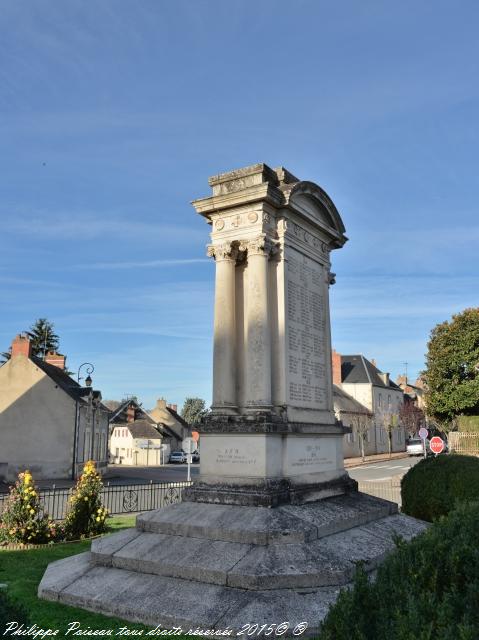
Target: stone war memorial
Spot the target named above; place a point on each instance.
(274, 527)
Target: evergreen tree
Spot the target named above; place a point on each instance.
(43, 338)
(452, 373)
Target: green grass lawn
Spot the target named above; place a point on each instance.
(22, 571)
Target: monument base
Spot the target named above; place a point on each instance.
(269, 492)
(214, 566)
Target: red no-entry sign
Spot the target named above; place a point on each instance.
(436, 445)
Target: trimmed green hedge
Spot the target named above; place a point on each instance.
(432, 487)
(427, 589)
(468, 424)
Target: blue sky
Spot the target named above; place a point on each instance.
(113, 114)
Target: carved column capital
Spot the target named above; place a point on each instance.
(260, 246)
(225, 251)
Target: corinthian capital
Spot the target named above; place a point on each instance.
(224, 251)
(261, 245)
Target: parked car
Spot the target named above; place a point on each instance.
(415, 447)
(177, 457)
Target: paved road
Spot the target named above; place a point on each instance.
(380, 471)
(121, 474)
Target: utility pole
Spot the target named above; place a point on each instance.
(405, 366)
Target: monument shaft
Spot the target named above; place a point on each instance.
(272, 434)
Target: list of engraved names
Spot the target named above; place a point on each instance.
(306, 332)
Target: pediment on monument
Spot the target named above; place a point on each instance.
(308, 199)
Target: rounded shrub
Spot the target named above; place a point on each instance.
(86, 515)
(23, 520)
(432, 487)
(427, 589)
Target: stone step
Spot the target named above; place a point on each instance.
(329, 561)
(287, 524)
(187, 606)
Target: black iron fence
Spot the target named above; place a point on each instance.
(117, 498)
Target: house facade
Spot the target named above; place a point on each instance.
(137, 439)
(373, 389)
(49, 424)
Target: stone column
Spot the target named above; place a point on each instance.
(224, 370)
(258, 333)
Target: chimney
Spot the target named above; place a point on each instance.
(130, 413)
(336, 362)
(401, 379)
(21, 346)
(56, 359)
(172, 406)
(161, 403)
(373, 362)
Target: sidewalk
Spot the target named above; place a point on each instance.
(378, 457)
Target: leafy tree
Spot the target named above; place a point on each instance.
(193, 410)
(452, 368)
(411, 417)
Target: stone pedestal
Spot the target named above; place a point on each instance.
(271, 437)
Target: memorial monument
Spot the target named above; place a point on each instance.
(274, 526)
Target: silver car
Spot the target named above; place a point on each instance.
(415, 447)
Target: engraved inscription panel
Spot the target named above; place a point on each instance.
(306, 322)
(311, 455)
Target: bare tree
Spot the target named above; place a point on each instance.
(390, 423)
(411, 417)
(361, 423)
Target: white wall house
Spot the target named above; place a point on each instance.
(374, 390)
(137, 439)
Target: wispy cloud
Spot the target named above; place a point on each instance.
(81, 225)
(147, 264)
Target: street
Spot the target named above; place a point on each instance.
(382, 471)
(123, 474)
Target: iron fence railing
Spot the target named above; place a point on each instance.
(387, 489)
(117, 498)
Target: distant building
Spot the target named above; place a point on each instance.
(365, 383)
(137, 438)
(359, 419)
(166, 414)
(48, 422)
(414, 392)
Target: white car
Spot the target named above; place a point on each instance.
(415, 447)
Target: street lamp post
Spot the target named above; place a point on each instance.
(88, 382)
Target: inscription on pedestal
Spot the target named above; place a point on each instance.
(233, 456)
(306, 332)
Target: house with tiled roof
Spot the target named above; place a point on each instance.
(137, 438)
(361, 379)
(49, 423)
